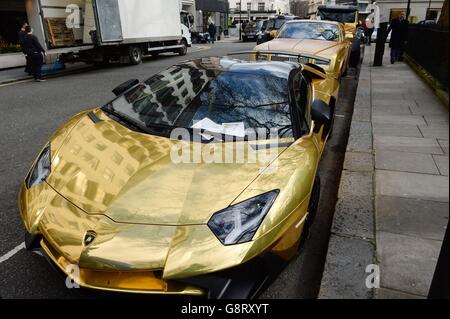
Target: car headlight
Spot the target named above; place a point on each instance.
(238, 223)
(41, 169)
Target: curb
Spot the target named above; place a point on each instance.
(351, 248)
(46, 76)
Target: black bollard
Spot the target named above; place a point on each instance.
(381, 40)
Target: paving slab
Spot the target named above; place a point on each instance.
(390, 110)
(444, 145)
(361, 114)
(407, 144)
(435, 131)
(384, 293)
(399, 119)
(442, 164)
(412, 185)
(396, 130)
(353, 216)
(406, 263)
(405, 162)
(355, 184)
(356, 161)
(345, 276)
(411, 216)
(431, 119)
(360, 139)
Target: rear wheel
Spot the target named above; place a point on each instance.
(135, 54)
(312, 210)
(184, 48)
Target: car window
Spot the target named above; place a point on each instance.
(182, 96)
(302, 97)
(310, 30)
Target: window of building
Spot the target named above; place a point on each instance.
(249, 6)
(261, 6)
(432, 14)
(238, 6)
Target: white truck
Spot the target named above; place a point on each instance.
(104, 31)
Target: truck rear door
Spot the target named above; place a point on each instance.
(109, 24)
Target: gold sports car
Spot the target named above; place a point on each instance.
(142, 195)
(322, 38)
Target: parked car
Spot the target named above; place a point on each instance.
(322, 38)
(348, 15)
(250, 31)
(105, 196)
(200, 37)
(273, 25)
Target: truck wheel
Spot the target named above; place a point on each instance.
(184, 48)
(135, 55)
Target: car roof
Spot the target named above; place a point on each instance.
(278, 69)
(314, 21)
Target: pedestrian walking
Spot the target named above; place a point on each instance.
(399, 36)
(35, 52)
(370, 26)
(212, 32)
(21, 36)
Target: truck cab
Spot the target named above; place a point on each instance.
(347, 15)
(187, 26)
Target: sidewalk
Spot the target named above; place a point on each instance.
(392, 207)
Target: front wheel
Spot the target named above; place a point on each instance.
(184, 48)
(312, 210)
(135, 54)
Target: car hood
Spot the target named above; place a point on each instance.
(319, 47)
(105, 168)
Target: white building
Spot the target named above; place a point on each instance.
(257, 9)
(419, 9)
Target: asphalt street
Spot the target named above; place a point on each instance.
(31, 112)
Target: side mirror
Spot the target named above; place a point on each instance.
(321, 115)
(125, 86)
(349, 35)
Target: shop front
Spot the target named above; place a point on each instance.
(215, 11)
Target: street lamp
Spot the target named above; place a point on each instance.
(240, 20)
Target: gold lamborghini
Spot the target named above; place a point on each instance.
(200, 180)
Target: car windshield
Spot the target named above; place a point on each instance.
(279, 23)
(189, 97)
(310, 30)
(250, 27)
(338, 15)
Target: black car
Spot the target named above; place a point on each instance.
(273, 24)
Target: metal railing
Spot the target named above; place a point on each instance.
(428, 47)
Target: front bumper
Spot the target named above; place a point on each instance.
(243, 282)
(119, 259)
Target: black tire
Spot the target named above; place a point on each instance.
(312, 209)
(183, 50)
(135, 54)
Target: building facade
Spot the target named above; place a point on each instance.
(419, 9)
(215, 11)
(257, 9)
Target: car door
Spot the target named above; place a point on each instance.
(301, 96)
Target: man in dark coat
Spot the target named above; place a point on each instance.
(21, 36)
(399, 36)
(212, 32)
(35, 51)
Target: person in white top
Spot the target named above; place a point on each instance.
(370, 26)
